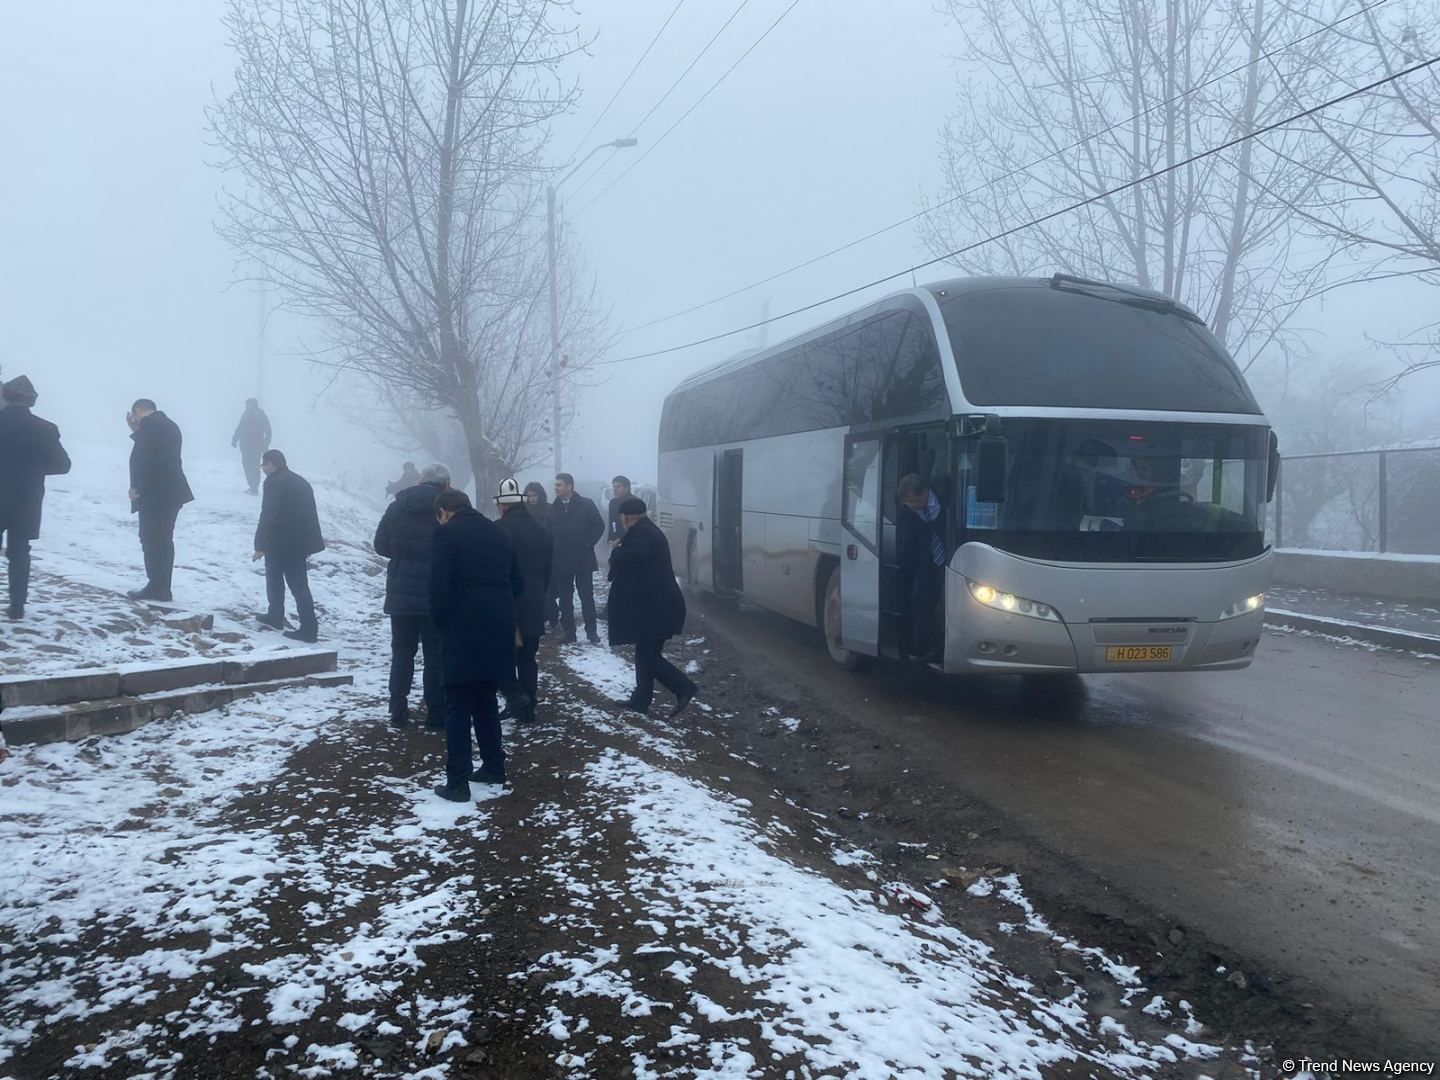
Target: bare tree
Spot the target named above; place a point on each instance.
(391, 153)
(1382, 204)
(1068, 99)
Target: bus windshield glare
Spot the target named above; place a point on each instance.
(1121, 491)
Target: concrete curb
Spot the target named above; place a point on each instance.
(1410, 641)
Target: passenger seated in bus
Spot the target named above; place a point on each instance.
(922, 557)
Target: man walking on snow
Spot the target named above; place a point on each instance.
(30, 450)
(474, 580)
(288, 534)
(252, 436)
(158, 489)
(405, 536)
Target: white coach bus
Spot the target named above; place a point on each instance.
(1101, 466)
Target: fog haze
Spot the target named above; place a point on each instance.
(114, 284)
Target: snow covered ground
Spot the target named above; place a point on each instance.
(272, 889)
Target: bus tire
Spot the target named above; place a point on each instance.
(830, 625)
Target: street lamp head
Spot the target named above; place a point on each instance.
(622, 144)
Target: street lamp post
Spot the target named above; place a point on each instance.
(618, 144)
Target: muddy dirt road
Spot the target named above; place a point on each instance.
(1288, 812)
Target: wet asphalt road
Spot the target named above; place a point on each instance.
(1290, 811)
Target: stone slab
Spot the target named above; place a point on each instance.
(17, 691)
(138, 679)
(291, 664)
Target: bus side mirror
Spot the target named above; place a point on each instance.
(1272, 477)
(991, 464)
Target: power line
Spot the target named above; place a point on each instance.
(999, 179)
(605, 111)
(1313, 110)
(655, 145)
(665, 96)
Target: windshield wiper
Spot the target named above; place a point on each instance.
(1127, 296)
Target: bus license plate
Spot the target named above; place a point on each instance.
(1138, 654)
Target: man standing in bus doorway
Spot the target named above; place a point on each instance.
(619, 492)
(576, 525)
(922, 566)
(647, 608)
(252, 436)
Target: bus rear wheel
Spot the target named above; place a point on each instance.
(830, 616)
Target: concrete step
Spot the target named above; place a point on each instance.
(67, 687)
(116, 716)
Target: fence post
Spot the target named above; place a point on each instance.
(1384, 505)
(1280, 504)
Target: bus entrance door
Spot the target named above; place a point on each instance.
(860, 540)
(727, 541)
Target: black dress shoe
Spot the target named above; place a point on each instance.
(486, 776)
(593, 638)
(399, 721)
(307, 636)
(454, 793)
(631, 705)
(272, 623)
(570, 639)
(148, 593)
(684, 700)
(516, 709)
(15, 612)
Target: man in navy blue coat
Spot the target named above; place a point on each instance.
(474, 581)
(30, 450)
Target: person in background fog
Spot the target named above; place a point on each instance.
(30, 450)
(408, 479)
(619, 492)
(538, 503)
(647, 608)
(474, 581)
(406, 537)
(535, 551)
(287, 535)
(576, 524)
(158, 489)
(252, 436)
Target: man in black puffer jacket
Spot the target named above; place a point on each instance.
(405, 536)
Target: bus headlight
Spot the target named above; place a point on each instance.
(1244, 607)
(1010, 603)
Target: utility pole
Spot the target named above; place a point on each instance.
(556, 361)
(262, 302)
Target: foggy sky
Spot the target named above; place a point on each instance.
(113, 283)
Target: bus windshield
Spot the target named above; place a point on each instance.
(1024, 343)
(1122, 491)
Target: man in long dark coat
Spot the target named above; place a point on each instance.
(536, 553)
(577, 526)
(405, 536)
(252, 436)
(158, 489)
(647, 607)
(30, 450)
(287, 535)
(474, 580)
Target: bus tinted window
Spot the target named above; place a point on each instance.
(883, 367)
(1023, 344)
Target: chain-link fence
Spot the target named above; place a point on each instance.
(1366, 500)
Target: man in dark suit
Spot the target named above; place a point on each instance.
(252, 436)
(619, 492)
(405, 536)
(647, 607)
(287, 535)
(922, 559)
(577, 526)
(474, 580)
(30, 450)
(158, 489)
(536, 553)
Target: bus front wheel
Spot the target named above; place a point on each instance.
(831, 624)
